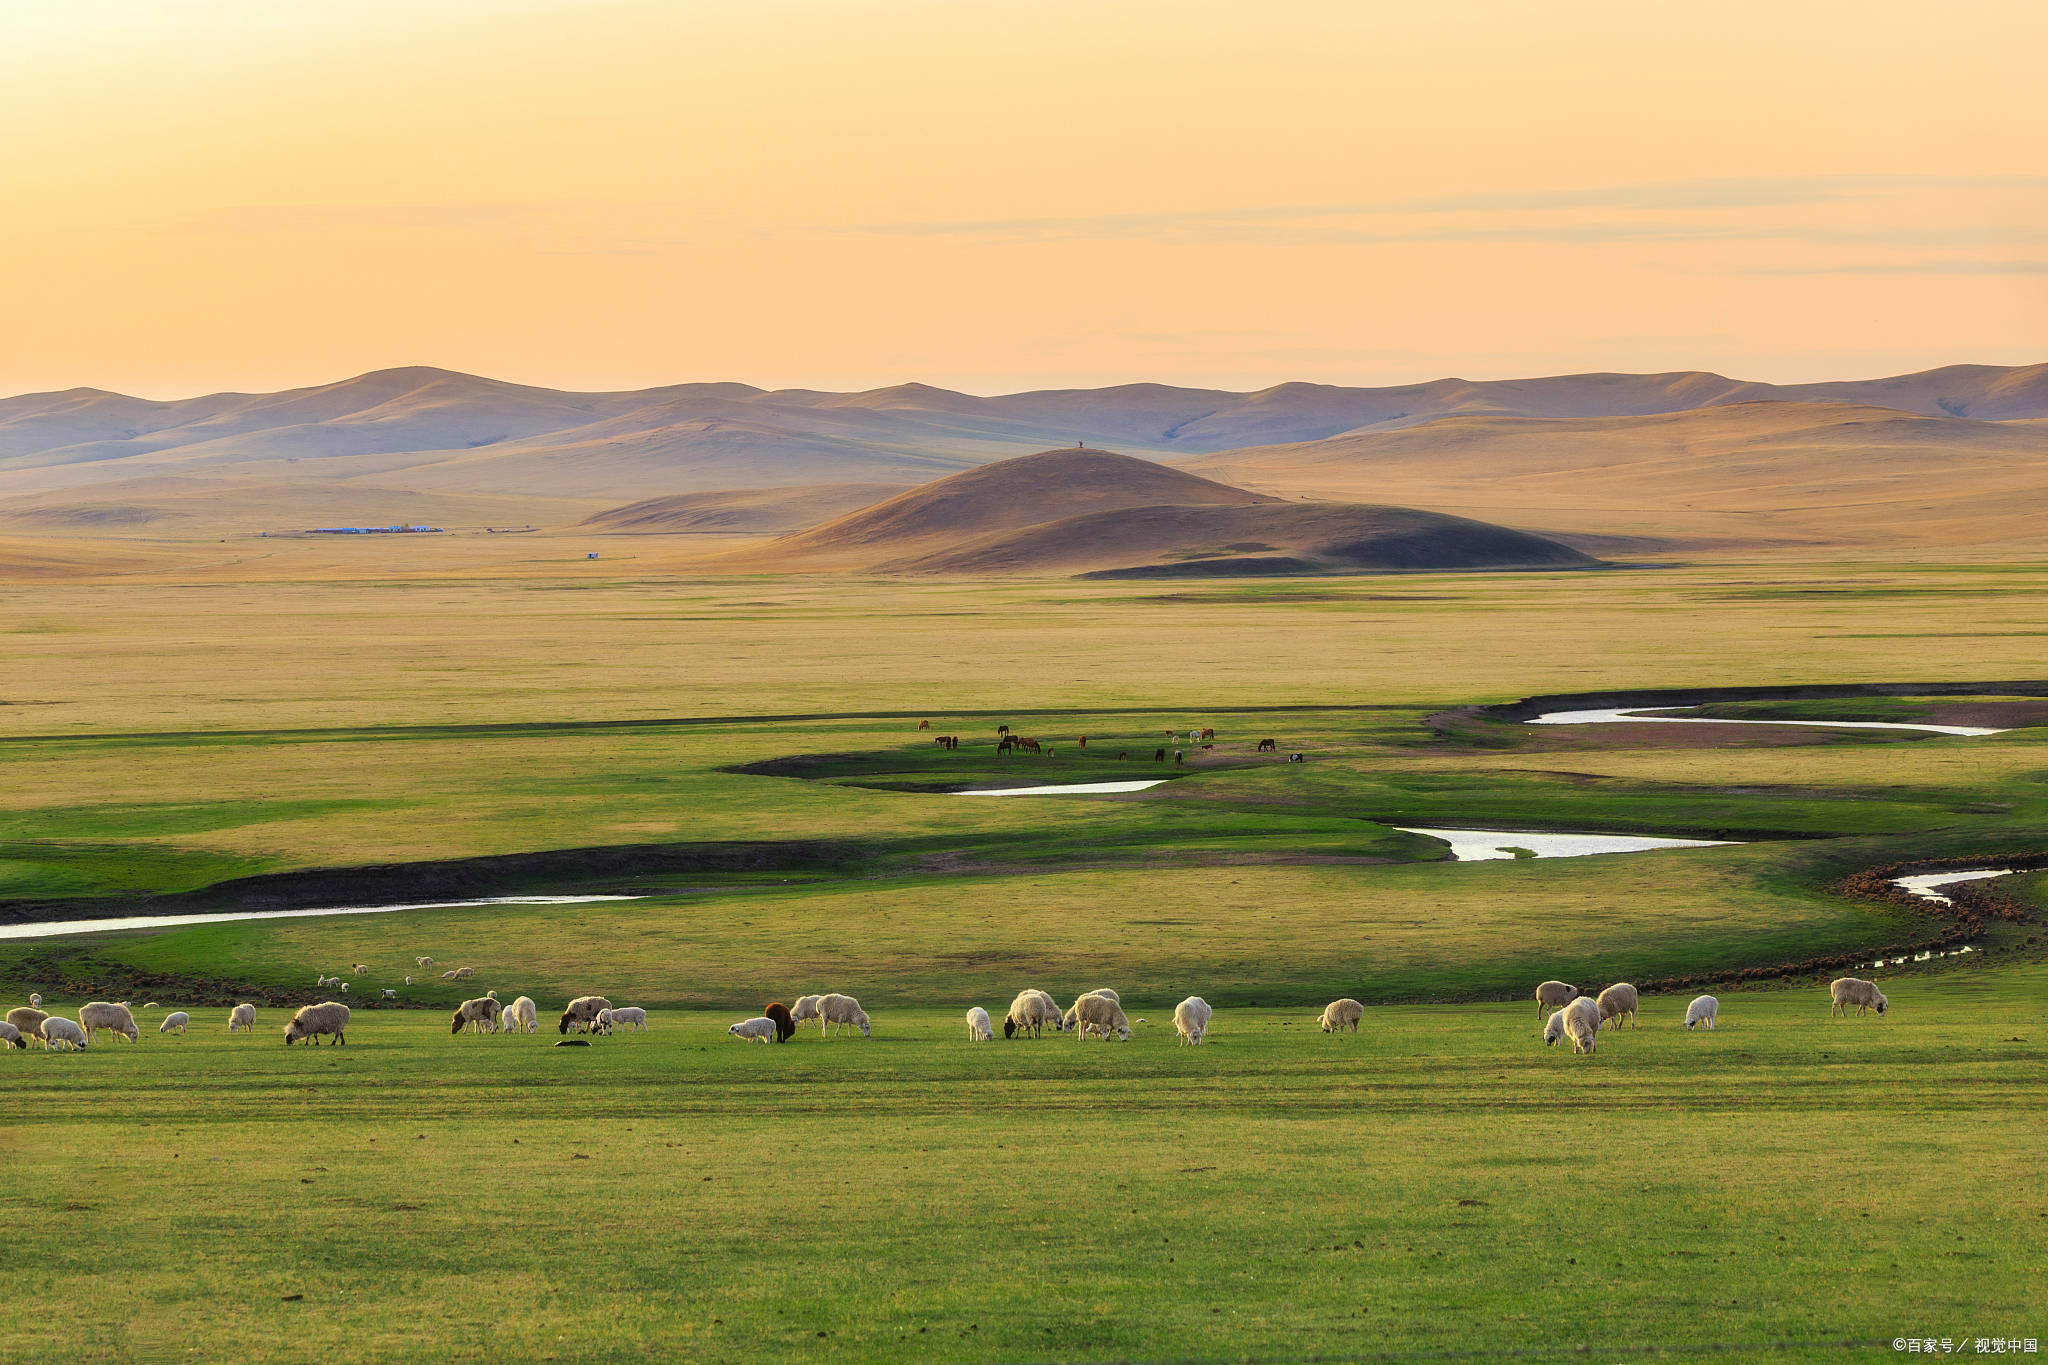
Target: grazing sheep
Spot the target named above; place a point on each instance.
(520, 1016)
(390, 994)
(1554, 995)
(324, 981)
(35, 998)
(1616, 1002)
(1580, 1021)
(1098, 1013)
(785, 1022)
(330, 1017)
(28, 1022)
(842, 1011)
(1702, 1011)
(10, 1035)
(1191, 1019)
(979, 1030)
(1073, 1015)
(1847, 991)
(761, 1030)
(582, 1012)
(423, 961)
(60, 1034)
(634, 1019)
(1033, 1011)
(480, 1015)
(174, 1022)
(99, 1015)
(603, 1022)
(152, 1005)
(360, 968)
(806, 1007)
(242, 1017)
(1343, 1014)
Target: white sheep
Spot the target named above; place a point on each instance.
(1098, 1013)
(1616, 1003)
(480, 1015)
(35, 999)
(520, 1016)
(325, 981)
(390, 994)
(152, 1005)
(1343, 1014)
(242, 1018)
(1704, 1010)
(806, 1007)
(1554, 995)
(174, 1022)
(360, 968)
(60, 1034)
(10, 1035)
(1191, 1020)
(1580, 1021)
(423, 961)
(979, 1030)
(1033, 1011)
(842, 1011)
(459, 974)
(100, 1015)
(758, 1030)
(1852, 990)
(630, 1017)
(329, 1017)
(28, 1021)
(581, 1013)
(1072, 1018)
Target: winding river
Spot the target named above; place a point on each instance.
(53, 928)
(1615, 715)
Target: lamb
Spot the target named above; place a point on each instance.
(359, 968)
(1580, 1020)
(979, 1030)
(520, 1016)
(27, 1022)
(60, 1034)
(11, 1036)
(1702, 1011)
(806, 1007)
(1343, 1014)
(1099, 1013)
(424, 961)
(1617, 1001)
(35, 998)
(785, 1022)
(174, 1022)
(844, 1011)
(311, 1021)
(761, 1030)
(326, 980)
(1554, 995)
(1032, 1011)
(634, 1019)
(100, 1015)
(390, 994)
(481, 1015)
(1191, 1019)
(582, 1012)
(1846, 991)
(242, 1017)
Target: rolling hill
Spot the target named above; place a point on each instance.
(758, 511)
(1081, 511)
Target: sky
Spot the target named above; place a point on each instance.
(203, 195)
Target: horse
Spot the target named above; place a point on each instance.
(1267, 746)
(924, 725)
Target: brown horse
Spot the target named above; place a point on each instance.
(924, 725)
(1267, 746)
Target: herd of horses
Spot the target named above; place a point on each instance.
(1008, 741)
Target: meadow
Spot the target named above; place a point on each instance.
(744, 757)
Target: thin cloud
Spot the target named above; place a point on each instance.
(1912, 268)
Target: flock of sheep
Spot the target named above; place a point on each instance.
(1099, 1013)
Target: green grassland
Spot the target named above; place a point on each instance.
(744, 757)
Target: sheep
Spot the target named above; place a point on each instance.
(35, 999)
(390, 994)
(1554, 995)
(311, 1021)
(325, 981)
(174, 1022)
(1617, 1001)
(1032, 1011)
(785, 1022)
(1343, 1014)
(603, 1022)
(242, 1017)
(1702, 1011)
(1846, 991)
(806, 1007)
(459, 974)
(1100, 1013)
(634, 1019)
(842, 1010)
(100, 1015)
(152, 1005)
(359, 968)
(1072, 1017)
(520, 1016)
(481, 1015)
(10, 1035)
(60, 1034)
(28, 1022)
(423, 961)
(582, 1012)
(761, 1030)
(1580, 1021)
(1191, 1019)
(979, 1030)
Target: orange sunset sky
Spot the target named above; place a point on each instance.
(205, 195)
